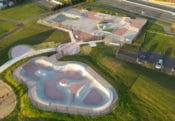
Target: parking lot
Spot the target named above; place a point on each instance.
(150, 58)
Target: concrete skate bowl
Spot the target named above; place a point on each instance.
(68, 87)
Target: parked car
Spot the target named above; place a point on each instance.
(141, 59)
(159, 64)
(173, 69)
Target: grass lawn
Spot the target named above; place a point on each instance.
(159, 43)
(100, 7)
(32, 34)
(134, 47)
(22, 11)
(144, 95)
(6, 27)
(109, 30)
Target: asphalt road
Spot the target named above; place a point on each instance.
(154, 5)
(135, 8)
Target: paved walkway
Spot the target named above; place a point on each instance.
(26, 55)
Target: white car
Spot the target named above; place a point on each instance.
(159, 64)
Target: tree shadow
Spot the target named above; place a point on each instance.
(168, 52)
(32, 40)
(39, 119)
(153, 47)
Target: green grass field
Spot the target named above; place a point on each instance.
(32, 34)
(144, 94)
(159, 43)
(6, 27)
(136, 45)
(22, 11)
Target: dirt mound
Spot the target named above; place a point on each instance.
(7, 100)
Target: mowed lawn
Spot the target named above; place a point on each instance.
(159, 43)
(32, 34)
(22, 11)
(6, 27)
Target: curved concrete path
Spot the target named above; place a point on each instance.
(28, 54)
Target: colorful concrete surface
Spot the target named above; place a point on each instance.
(71, 87)
(89, 26)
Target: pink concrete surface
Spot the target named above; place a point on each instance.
(76, 86)
(30, 68)
(52, 92)
(138, 23)
(83, 36)
(120, 31)
(91, 15)
(93, 98)
(73, 75)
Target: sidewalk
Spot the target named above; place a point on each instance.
(26, 55)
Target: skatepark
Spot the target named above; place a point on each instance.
(70, 87)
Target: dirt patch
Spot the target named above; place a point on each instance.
(7, 100)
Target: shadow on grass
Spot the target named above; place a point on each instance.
(39, 119)
(153, 47)
(160, 78)
(32, 40)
